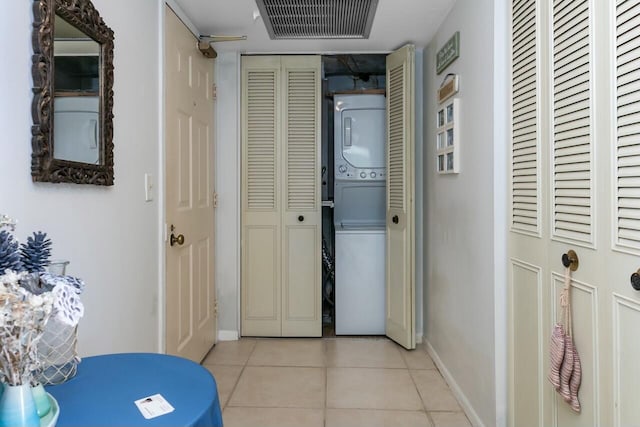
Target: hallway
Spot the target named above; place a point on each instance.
(333, 382)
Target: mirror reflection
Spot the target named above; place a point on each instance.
(76, 125)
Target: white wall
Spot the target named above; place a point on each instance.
(460, 223)
(110, 234)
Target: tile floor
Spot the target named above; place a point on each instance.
(331, 382)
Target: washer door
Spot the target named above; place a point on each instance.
(359, 204)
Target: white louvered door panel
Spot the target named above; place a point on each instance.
(626, 219)
(400, 274)
(261, 212)
(572, 126)
(578, 108)
(528, 257)
(261, 137)
(302, 215)
(628, 124)
(525, 187)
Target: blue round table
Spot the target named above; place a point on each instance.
(105, 388)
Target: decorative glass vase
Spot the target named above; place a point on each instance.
(57, 352)
(17, 407)
(43, 406)
(58, 267)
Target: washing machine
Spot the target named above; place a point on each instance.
(360, 281)
(360, 214)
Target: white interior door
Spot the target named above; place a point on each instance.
(190, 291)
(400, 282)
(575, 185)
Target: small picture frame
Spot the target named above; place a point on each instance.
(450, 113)
(448, 137)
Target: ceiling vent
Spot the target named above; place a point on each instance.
(318, 19)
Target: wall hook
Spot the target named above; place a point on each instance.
(570, 260)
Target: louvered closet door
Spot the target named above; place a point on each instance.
(261, 199)
(528, 313)
(578, 210)
(281, 223)
(302, 215)
(590, 162)
(400, 281)
(625, 256)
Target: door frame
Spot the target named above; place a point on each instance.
(420, 139)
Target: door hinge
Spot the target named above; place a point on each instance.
(215, 199)
(214, 91)
(215, 308)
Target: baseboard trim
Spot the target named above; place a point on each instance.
(228, 335)
(455, 388)
(419, 338)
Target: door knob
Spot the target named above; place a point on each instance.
(635, 280)
(570, 260)
(179, 239)
(300, 218)
(395, 219)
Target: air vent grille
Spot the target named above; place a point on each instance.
(318, 19)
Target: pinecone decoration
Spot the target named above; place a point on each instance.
(36, 252)
(9, 255)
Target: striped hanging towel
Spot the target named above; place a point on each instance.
(565, 370)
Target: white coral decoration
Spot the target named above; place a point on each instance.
(23, 317)
(67, 305)
(5, 221)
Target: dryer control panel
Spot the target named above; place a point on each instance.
(346, 171)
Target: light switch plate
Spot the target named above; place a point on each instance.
(148, 187)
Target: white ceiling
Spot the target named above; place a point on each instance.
(396, 23)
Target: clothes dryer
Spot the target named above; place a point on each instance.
(359, 137)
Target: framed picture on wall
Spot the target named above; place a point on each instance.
(448, 137)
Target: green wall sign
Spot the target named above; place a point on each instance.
(448, 53)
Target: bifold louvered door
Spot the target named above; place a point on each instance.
(302, 210)
(624, 259)
(400, 267)
(575, 184)
(261, 196)
(528, 251)
(281, 211)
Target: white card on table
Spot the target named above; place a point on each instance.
(153, 406)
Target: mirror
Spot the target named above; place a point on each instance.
(73, 96)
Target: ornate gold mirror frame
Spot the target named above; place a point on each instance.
(82, 15)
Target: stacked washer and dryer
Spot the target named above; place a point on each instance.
(360, 214)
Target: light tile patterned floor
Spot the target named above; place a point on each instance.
(332, 382)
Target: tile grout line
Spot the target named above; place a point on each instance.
(325, 361)
(235, 385)
(413, 380)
